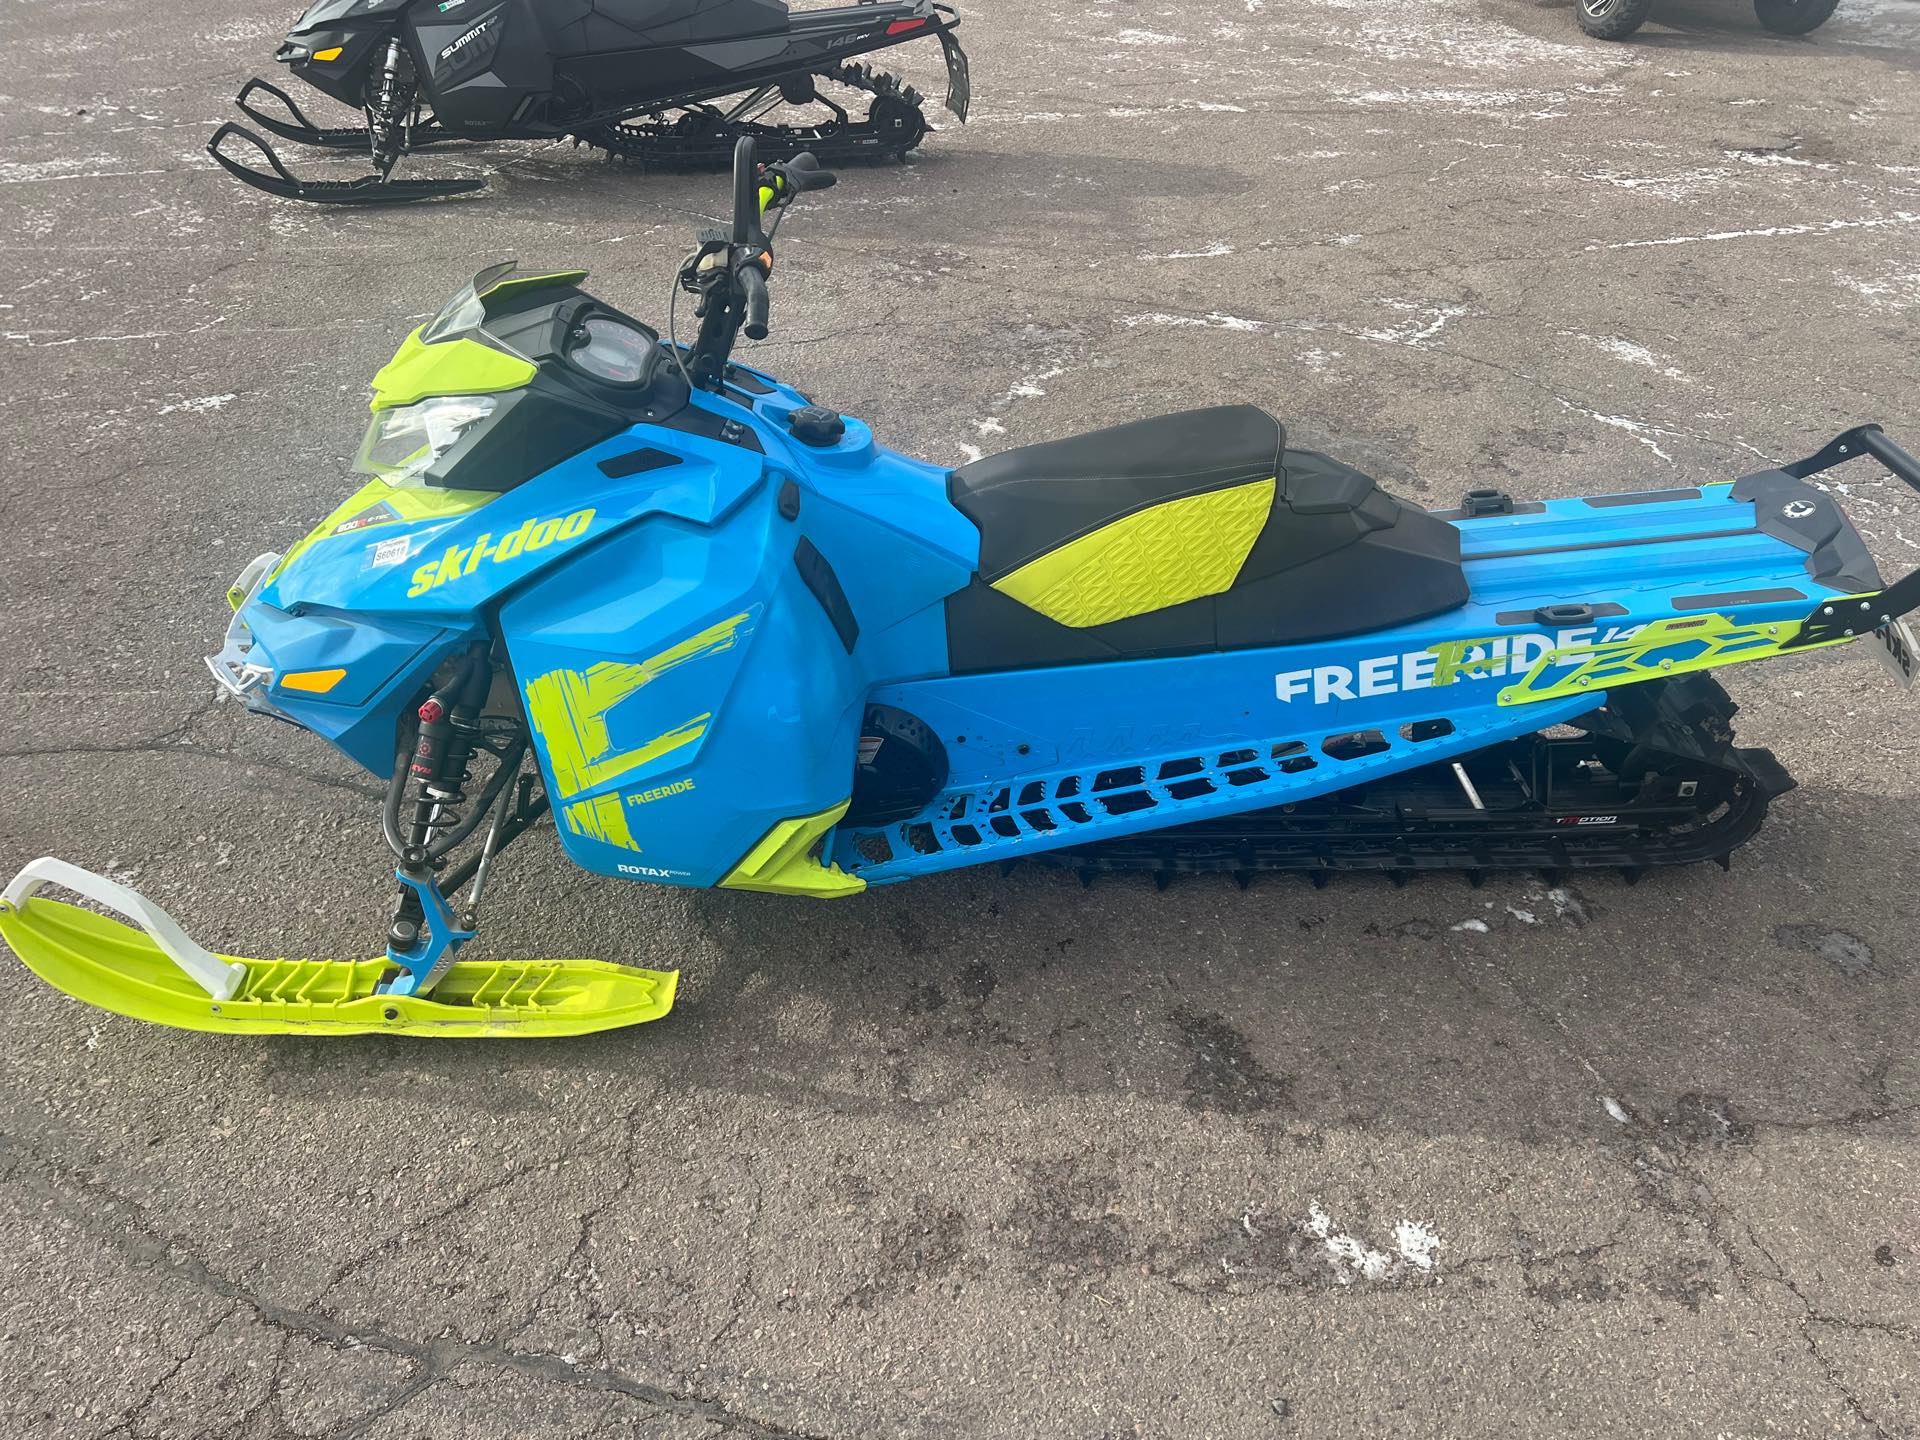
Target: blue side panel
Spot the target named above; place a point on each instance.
(1054, 757)
(687, 683)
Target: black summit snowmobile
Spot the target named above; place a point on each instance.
(674, 83)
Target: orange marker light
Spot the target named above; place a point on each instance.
(332, 54)
(314, 682)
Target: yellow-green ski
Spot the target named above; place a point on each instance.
(143, 973)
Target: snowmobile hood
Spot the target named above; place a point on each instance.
(325, 12)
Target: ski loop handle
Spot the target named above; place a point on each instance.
(219, 977)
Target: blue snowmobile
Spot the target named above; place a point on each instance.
(725, 638)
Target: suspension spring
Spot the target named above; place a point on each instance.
(387, 109)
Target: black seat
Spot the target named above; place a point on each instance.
(1190, 532)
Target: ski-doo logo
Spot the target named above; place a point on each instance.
(458, 560)
(467, 39)
(1416, 669)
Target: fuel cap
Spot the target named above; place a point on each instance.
(816, 425)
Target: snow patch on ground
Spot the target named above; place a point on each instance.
(1641, 430)
(1629, 353)
(1423, 323)
(203, 405)
(1415, 1246)
(1873, 222)
(1680, 185)
(1900, 291)
(1212, 321)
(1211, 252)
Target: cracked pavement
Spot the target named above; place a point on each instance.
(988, 1155)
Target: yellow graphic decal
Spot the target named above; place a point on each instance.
(1666, 647)
(569, 711)
(1455, 658)
(1163, 555)
(600, 818)
(458, 560)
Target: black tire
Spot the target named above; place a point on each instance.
(1794, 17)
(1613, 19)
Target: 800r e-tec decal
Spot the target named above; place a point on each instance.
(458, 560)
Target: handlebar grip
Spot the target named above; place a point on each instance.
(754, 286)
(804, 173)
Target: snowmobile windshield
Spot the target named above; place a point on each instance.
(466, 312)
(322, 12)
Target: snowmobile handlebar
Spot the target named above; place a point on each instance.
(758, 189)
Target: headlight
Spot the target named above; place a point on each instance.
(407, 441)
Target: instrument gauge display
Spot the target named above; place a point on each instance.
(611, 351)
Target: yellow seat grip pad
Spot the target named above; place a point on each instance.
(1167, 554)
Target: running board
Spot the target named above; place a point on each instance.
(368, 190)
(155, 973)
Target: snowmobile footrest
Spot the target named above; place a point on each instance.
(299, 129)
(302, 131)
(156, 974)
(368, 190)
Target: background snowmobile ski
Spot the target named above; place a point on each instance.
(673, 83)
